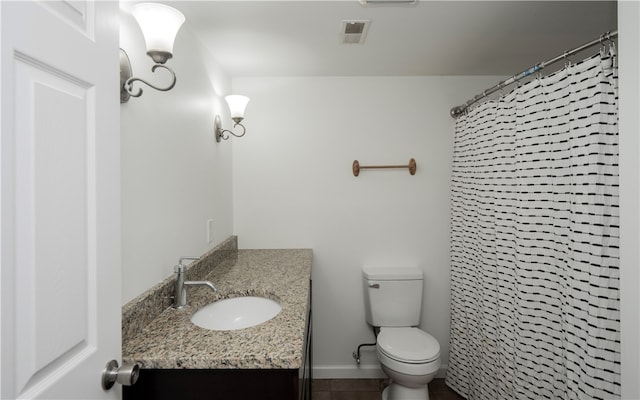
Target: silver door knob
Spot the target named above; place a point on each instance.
(126, 375)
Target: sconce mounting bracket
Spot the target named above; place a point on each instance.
(217, 128)
(125, 74)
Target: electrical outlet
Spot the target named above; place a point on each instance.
(209, 231)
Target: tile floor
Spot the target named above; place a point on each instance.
(371, 389)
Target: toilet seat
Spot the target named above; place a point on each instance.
(409, 352)
(408, 345)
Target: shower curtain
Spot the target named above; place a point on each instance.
(534, 240)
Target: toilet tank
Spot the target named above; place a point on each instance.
(393, 295)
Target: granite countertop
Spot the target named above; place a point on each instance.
(172, 341)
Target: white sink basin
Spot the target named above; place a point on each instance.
(236, 313)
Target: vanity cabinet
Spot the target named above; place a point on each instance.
(306, 372)
(215, 384)
(236, 384)
(203, 384)
(269, 361)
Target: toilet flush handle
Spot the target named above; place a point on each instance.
(374, 285)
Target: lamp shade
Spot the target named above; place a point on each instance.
(159, 24)
(237, 104)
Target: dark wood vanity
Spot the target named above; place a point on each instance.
(236, 384)
(272, 360)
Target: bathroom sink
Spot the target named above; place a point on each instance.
(236, 313)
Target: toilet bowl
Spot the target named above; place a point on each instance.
(411, 359)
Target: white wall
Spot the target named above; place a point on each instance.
(293, 187)
(174, 174)
(629, 31)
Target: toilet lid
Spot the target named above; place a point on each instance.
(408, 344)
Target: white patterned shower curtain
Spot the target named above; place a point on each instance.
(534, 240)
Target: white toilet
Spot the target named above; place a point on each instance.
(408, 355)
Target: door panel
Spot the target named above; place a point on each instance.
(60, 281)
(53, 227)
(79, 14)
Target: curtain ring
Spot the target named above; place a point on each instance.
(603, 45)
(612, 43)
(567, 61)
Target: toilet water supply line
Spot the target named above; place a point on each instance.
(356, 354)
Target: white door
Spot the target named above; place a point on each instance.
(60, 198)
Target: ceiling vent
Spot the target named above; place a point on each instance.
(387, 2)
(354, 31)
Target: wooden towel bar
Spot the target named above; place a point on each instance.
(357, 167)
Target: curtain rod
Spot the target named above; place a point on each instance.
(459, 110)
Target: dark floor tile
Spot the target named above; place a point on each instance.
(438, 390)
(446, 396)
(371, 389)
(356, 396)
(356, 385)
(321, 395)
(438, 384)
(321, 385)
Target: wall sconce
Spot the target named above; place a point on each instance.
(237, 104)
(159, 24)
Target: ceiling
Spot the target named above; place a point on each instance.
(302, 38)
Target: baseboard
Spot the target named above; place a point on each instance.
(371, 371)
(347, 372)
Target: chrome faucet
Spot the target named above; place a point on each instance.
(180, 296)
